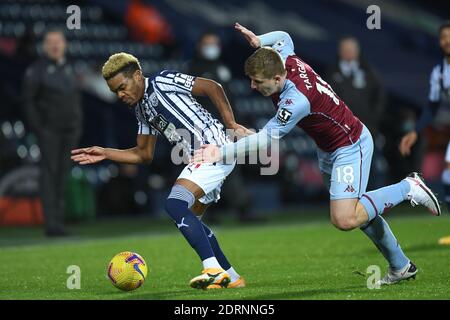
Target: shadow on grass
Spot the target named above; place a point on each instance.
(413, 248)
(295, 294)
(306, 294)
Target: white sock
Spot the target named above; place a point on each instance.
(233, 274)
(211, 263)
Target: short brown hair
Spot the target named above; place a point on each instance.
(120, 62)
(265, 62)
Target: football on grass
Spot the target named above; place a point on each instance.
(127, 271)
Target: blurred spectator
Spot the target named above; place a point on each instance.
(53, 112)
(207, 63)
(355, 81)
(400, 121)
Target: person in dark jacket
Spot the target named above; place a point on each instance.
(53, 113)
(355, 81)
(207, 63)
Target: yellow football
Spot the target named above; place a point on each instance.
(127, 271)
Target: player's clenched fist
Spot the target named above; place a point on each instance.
(249, 35)
(88, 155)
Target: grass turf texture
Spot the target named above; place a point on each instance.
(283, 259)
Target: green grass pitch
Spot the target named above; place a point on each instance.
(283, 259)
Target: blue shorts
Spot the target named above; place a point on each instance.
(346, 170)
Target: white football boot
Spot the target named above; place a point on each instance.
(407, 273)
(421, 194)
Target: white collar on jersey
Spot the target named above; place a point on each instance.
(145, 91)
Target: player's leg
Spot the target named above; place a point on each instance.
(349, 177)
(348, 214)
(236, 281)
(180, 199)
(377, 229)
(412, 188)
(199, 209)
(350, 207)
(351, 166)
(194, 182)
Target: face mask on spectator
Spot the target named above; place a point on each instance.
(211, 52)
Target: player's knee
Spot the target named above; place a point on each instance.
(170, 204)
(178, 197)
(343, 226)
(345, 223)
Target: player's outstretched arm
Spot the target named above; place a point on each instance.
(88, 155)
(252, 39)
(227, 153)
(142, 153)
(280, 41)
(287, 117)
(214, 91)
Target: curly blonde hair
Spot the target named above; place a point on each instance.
(120, 62)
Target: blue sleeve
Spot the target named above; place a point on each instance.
(427, 116)
(429, 112)
(280, 41)
(291, 109)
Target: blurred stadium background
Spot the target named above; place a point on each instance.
(163, 34)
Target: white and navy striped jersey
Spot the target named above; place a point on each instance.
(440, 83)
(168, 108)
(438, 110)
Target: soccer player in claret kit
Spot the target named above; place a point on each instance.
(164, 105)
(345, 146)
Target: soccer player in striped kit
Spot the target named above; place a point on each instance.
(164, 105)
(345, 146)
(439, 99)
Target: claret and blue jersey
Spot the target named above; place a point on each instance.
(308, 102)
